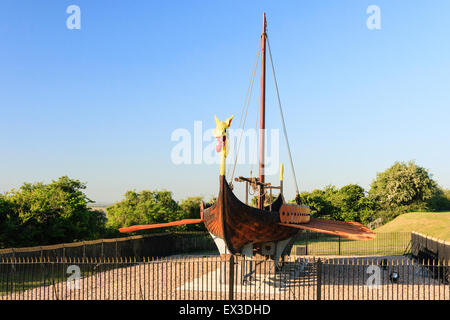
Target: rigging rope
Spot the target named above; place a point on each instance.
(245, 108)
(282, 118)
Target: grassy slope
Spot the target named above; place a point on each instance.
(435, 224)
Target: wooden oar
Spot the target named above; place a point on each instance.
(160, 225)
(349, 230)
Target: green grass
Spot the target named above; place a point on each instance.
(435, 224)
(392, 238)
(391, 243)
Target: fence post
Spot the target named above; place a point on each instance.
(339, 245)
(231, 278)
(319, 279)
(306, 249)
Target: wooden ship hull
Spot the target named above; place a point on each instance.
(239, 225)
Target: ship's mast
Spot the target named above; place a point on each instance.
(263, 111)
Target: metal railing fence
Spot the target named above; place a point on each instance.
(389, 243)
(165, 244)
(219, 278)
(157, 244)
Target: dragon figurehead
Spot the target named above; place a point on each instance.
(220, 133)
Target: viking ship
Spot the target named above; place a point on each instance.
(267, 229)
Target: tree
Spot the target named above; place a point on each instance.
(320, 202)
(441, 200)
(49, 213)
(353, 204)
(145, 207)
(348, 203)
(8, 223)
(191, 210)
(404, 185)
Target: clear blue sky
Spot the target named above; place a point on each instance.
(99, 104)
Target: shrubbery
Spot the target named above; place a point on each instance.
(404, 187)
(148, 207)
(58, 212)
(48, 213)
(191, 210)
(348, 203)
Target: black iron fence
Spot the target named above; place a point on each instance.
(151, 245)
(165, 244)
(389, 243)
(217, 278)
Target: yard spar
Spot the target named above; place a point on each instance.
(268, 230)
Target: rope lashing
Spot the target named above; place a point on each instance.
(282, 120)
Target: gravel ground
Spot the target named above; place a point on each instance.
(342, 278)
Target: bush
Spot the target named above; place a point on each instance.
(9, 224)
(150, 207)
(386, 215)
(440, 201)
(191, 210)
(319, 202)
(403, 185)
(42, 214)
(348, 203)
